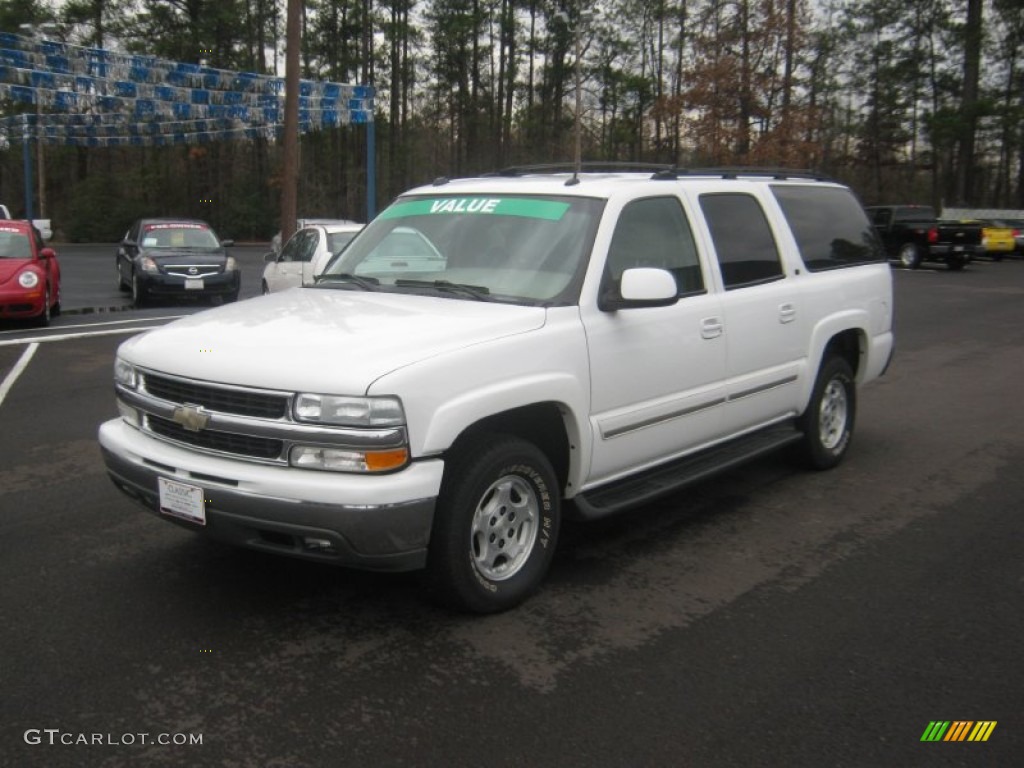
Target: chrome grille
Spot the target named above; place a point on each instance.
(212, 440)
(185, 270)
(241, 402)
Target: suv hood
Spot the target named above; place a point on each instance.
(322, 340)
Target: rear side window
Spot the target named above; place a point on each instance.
(747, 254)
(830, 227)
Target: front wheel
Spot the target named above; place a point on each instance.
(828, 422)
(138, 292)
(43, 320)
(495, 526)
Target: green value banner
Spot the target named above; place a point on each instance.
(549, 210)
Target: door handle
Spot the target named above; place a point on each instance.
(711, 327)
(787, 313)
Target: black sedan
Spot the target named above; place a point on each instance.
(176, 258)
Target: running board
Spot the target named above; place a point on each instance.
(644, 488)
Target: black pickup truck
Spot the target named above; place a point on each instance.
(913, 233)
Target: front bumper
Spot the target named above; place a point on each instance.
(22, 302)
(372, 522)
(161, 284)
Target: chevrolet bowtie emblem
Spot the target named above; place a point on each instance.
(192, 419)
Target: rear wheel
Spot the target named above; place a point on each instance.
(495, 526)
(828, 422)
(910, 256)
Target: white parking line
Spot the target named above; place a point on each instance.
(94, 325)
(17, 370)
(65, 336)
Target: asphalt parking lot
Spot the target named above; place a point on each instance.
(769, 617)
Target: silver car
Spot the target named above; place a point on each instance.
(306, 254)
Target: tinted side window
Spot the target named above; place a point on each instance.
(309, 245)
(830, 227)
(746, 249)
(292, 250)
(655, 233)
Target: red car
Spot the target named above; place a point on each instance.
(29, 274)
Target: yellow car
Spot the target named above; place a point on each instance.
(998, 241)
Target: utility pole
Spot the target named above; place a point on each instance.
(290, 175)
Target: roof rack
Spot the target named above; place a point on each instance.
(734, 172)
(661, 171)
(590, 165)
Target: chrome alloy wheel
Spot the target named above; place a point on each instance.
(504, 528)
(832, 414)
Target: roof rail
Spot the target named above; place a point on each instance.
(661, 171)
(589, 165)
(734, 172)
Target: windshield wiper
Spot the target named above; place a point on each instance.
(366, 283)
(478, 292)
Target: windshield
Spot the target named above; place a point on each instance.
(178, 236)
(502, 248)
(338, 240)
(14, 244)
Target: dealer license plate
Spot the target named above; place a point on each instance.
(193, 284)
(182, 500)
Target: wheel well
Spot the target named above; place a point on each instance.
(540, 423)
(848, 345)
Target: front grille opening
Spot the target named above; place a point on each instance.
(199, 476)
(225, 442)
(239, 402)
(278, 539)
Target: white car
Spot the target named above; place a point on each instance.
(306, 254)
(492, 356)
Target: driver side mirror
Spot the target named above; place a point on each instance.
(47, 253)
(269, 258)
(641, 287)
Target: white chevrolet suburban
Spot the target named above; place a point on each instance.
(492, 355)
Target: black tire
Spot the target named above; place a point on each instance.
(43, 320)
(828, 422)
(264, 288)
(121, 284)
(138, 292)
(956, 263)
(910, 255)
(495, 526)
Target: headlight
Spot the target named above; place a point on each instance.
(28, 279)
(350, 411)
(125, 374)
(348, 459)
(230, 265)
(146, 264)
